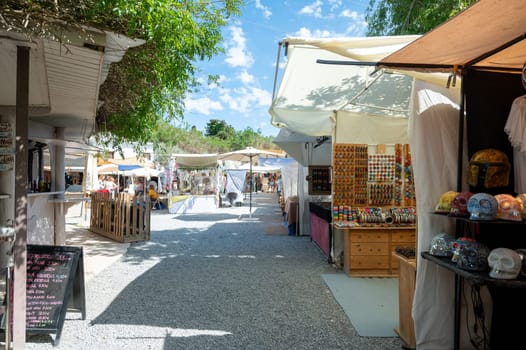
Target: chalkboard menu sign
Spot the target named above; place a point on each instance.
(55, 284)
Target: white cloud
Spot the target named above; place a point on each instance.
(349, 14)
(266, 12)
(356, 28)
(318, 33)
(237, 54)
(203, 105)
(313, 9)
(245, 99)
(245, 77)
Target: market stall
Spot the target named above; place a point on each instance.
(354, 107)
(449, 124)
(195, 187)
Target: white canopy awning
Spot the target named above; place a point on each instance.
(318, 80)
(196, 160)
(306, 150)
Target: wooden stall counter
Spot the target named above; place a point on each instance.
(406, 291)
(320, 219)
(367, 251)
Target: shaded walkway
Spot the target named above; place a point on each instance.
(215, 281)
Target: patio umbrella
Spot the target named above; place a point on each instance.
(249, 154)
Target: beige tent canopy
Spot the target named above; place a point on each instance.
(488, 35)
(327, 75)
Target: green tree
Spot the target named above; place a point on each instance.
(400, 17)
(150, 83)
(220, 129)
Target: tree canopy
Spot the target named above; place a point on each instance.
(169, 139)
(220, 129)
(401, 17)
(150, 83)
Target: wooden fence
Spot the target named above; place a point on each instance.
(123, 218)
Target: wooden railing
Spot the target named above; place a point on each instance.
(124, 218)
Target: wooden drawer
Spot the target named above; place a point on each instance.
(369, 236)
(370, 249)
(403, 236)
(370, 262)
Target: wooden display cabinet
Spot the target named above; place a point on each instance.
(319, 179)
(367, 251)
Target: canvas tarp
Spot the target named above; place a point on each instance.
(196, 160)
(310, 91)
(302, 147)
(488, 34)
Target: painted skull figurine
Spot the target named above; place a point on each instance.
(505, 263)
(473, 256)
(445, 201)
(459, 207)
(510, 208)
(482, 206)
(457, 246)
(522, 199)
(442, 245)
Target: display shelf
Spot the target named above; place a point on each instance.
(4, 195)
(466, 219)
(503, 292)
(507, 298)
(39, 194)
(478, 277)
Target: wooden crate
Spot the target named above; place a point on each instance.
(124, 219)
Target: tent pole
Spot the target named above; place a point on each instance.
(458, 278)
(250, 182)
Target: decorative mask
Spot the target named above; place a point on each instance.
(489, 168)
(482, 206)
(505, 263)
(442, 245)
(459, 207)
(473, 256)
(510, 208)
(444, 203)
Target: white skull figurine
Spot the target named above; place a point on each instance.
(505, 263)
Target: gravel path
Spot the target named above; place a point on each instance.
(213, 281)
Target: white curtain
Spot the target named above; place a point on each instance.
(433, 136)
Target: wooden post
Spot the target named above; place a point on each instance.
(21, 155)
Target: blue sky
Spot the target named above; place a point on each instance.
(247, 68)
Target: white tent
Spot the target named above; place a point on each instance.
(317, 81)
(326, 94)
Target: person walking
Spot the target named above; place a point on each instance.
(279, 187)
